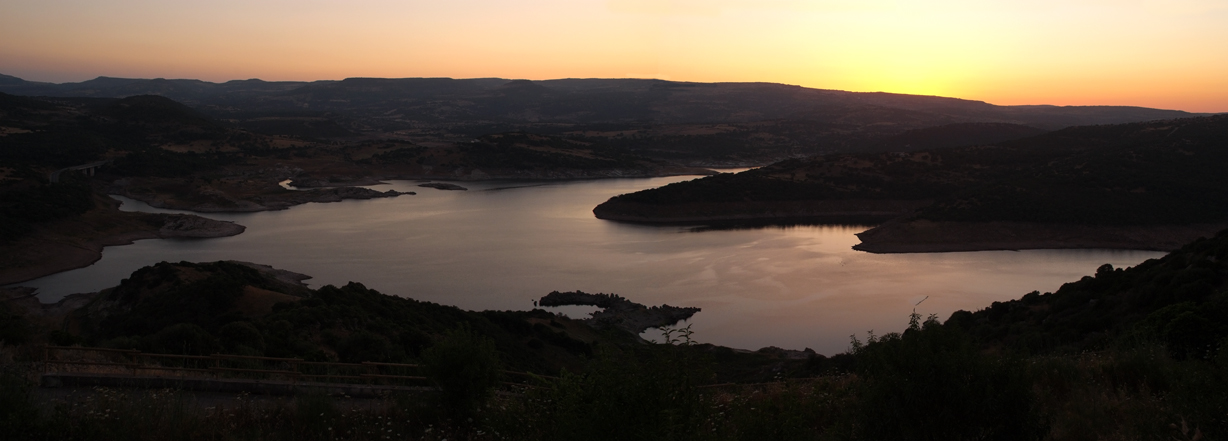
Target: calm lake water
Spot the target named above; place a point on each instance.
(501, 245)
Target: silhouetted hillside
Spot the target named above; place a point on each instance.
(1178, 301)
(955, 135)
(1160, 172)
(157, 110)
(772, 121)
(205, 308)
(60, 132)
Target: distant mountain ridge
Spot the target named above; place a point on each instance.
(583, 100)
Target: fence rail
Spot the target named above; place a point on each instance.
(225, 366)
(64, 359)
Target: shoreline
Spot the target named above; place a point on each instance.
(893, 231)
(562, 175)
(351, 188)
(49, 251)
(923, 236)
(857, 211)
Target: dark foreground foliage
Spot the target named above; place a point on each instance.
(465, 368)
(227, 307)
(933, 383)
(914, 386)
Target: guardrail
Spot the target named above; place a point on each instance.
(75, 359)
(223, 366)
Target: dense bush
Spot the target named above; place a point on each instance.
(625, 394)
(18, 417)
(465, 367)
(932, 383)
(15, 328)
(237, 335)
(184, 338)
(367, 346)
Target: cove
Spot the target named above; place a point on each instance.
(503, 244)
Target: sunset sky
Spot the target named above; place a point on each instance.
(1167, 54)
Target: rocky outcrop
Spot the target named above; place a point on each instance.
(189, 225)
(208, 200)
(442, 186)
(289, 281)
(618, 312)
(342, 181)
(335, 194)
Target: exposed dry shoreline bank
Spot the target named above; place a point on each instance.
(922, 236)
(898, 232)
(211, 201)
(834, 211)
(260, 190)
(77, 243)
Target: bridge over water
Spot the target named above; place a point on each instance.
(87, 168)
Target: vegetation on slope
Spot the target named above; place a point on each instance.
(24, 204)
(509, 152)
(66, 132)
(225, 307)
(1179, 301)
(687, 123)
(1161, 172)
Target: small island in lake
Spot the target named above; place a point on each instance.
(619, 312)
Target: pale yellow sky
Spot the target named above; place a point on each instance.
(1167, 54)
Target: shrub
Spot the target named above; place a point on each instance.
(634, 394)
(184, 338)
(365, 346)
(932, 383)
(465, 367)
(236, 334)
(14, 328)
(18, 415)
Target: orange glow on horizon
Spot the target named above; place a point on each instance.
(1075, 52)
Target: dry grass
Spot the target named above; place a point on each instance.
(256, 302)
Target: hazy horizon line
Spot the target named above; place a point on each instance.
(596, 78)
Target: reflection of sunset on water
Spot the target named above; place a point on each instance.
(791, 287)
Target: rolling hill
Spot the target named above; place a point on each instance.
(765, 122)
(1059, 189)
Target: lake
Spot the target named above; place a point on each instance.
(503, 244)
